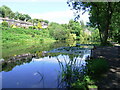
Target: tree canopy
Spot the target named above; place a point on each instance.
(103, 15)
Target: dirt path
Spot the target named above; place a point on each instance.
(112, 54)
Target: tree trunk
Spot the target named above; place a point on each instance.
(107, 24)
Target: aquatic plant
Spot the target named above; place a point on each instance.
(75, 75)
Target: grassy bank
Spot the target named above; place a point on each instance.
(20, 39)
(16, 36)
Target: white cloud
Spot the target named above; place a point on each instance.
(33, 0)
(59, 16)
(84, 17)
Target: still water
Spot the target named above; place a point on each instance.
(41, 69)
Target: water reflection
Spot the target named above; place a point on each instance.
(42, 69)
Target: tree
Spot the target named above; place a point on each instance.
(17, 14)
(101, 14)
(5, 11)
(2, 12)
(46, 21)
(22, 16)
(12, 15)
(27, 17)
(57, 31)
(74, 27)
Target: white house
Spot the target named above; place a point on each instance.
(20, 23)
(16, 22)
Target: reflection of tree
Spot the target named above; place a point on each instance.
(9, 65)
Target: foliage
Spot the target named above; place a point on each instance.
(101, 15)
(46, 21)
(39, 26)
(115, 27)
(71, 37)
(74, 27)
(33, 27)
(13, 26)
(11, 35)
(22, 16)
(5, 11)
(75, 76)
(27, 17)
(96, 67)
(5, 24)
(95, 34)
(57, 31)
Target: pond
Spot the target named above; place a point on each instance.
(43, 68)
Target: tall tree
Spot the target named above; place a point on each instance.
(74, 27)
(101, 14)
(22, 16)
(27, 17)
(17, 14)
(2, 12)
(5, 11)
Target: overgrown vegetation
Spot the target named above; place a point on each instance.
(103, 15)
(83, 77)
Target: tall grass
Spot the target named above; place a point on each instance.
(84, 77)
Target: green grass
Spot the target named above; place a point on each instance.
(20, 40)
(86, 78)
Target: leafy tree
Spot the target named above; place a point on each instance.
(101, 14)
(115, 26)
(35, 21)
(22, 16)
(75, 27)
(2, 12)
(27, 17)
(65, 26)
(30, 20)
(94, 34)
(46, 21)
(5, 11)
(12, 15)
(57, 31)
(17, 14)
(40, 20)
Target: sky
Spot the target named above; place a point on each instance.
(51, 10)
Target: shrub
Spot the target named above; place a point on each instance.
(71, 37)
(33, 27)
(5, 24)
(58, 32)
(13, 26)
(97, 67)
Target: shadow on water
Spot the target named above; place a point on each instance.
(45, 68)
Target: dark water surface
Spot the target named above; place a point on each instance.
(41, 69)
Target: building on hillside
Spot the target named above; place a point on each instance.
(20, 23)
(44, 25)
(16, 22)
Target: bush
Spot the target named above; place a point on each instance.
(58, 32)
(33, 27)
(71, 37)
(13, 26)
(97, 67)
(5, 24)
